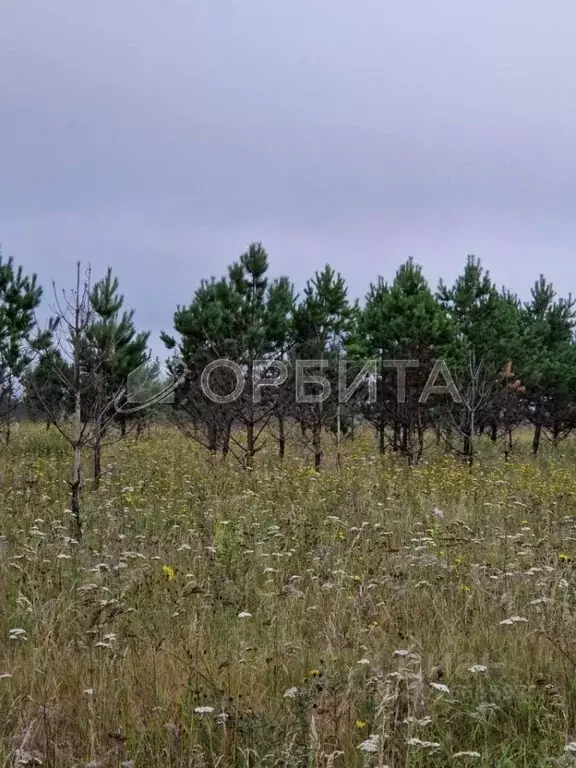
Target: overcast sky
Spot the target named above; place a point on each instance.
(162, 136)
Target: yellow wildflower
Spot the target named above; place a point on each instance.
(168, 572)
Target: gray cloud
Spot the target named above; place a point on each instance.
(162, 138)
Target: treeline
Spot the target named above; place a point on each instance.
(512, 362)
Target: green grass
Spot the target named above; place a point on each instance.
(337, 571)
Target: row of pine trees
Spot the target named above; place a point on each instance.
(513, 362)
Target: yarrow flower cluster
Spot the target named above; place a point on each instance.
(370, 745)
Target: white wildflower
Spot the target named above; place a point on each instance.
(204, 710)
(411, 720)
(291, 693)
(540, 601)
(513, 620)
(370, 745)
(478, 669)
(363, 662)
(425, 721)
(22, 757)
(414, 742)
(106, 642)
(244, 615)
(440, 687)
(17, 634)
(467, 754)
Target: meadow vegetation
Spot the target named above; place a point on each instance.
(373, 614)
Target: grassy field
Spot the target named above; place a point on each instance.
(369, 616)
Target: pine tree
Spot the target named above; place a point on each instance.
(488, 326)
(113, 350)
(403, 322)
(244, 318)
(20, 337)
(204, 329)
(260, 327)
(323, 322)
(549, 365)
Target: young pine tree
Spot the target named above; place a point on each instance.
(487, 337)
(113, 350)
(403, 322)
(20, 337)
(244, 318)
(323, 323)
(549, 364)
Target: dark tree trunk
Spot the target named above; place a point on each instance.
(317, 445)
(97, 463)
(250, 420)
(250, 444)
(226, 439)
(420, 438)
(536, 438)
(212, 436)
(405, 441)
(396, 442)
(467, 446)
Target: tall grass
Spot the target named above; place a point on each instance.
(368, 616)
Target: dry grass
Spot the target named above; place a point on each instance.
(216, 617)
